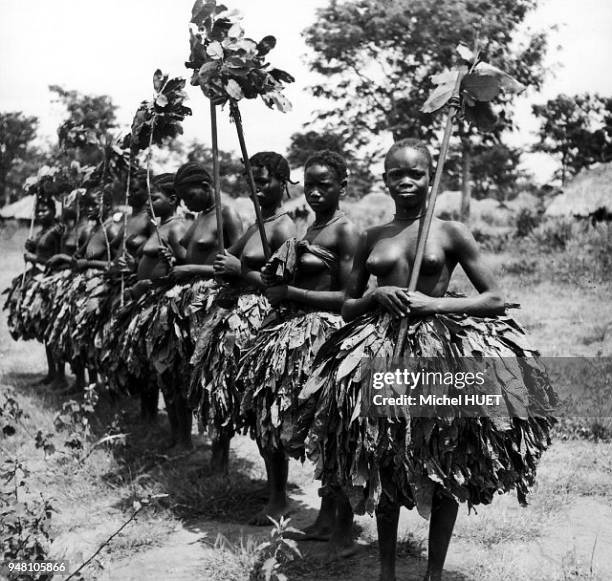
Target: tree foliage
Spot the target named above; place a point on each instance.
(577, 130)
(16, 134)
(379, 56)
(494, 168)
(90, 117)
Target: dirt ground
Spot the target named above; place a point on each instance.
(199, 530)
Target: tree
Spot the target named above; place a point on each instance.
(90, 119)
(304, 144)
(577, 130)
(380, 55)
(495, 171)
(16, 134)
(231, 169)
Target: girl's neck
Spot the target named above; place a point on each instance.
(325, 216)
(165, 219)
(269, 211)
(408, 214)
(140, 209)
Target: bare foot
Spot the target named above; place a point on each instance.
(274, 509)
(59, 384)
(46, 380)
(179, 448)
(341, 544)
(317, 531)
(342, 551)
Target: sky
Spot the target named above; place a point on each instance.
(113, 47)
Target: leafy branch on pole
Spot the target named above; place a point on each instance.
(467, 90)
(229, 67)
(156, 121)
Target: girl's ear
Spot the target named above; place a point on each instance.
(343, 187)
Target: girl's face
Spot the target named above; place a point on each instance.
(163, 203)
(322, 188)
(407, 177)
(138, 192)
(197, 197)
(44, 215)
(92, 204)
(269, 188)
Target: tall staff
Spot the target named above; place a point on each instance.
(467, 89)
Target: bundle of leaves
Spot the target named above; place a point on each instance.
(480, 84)
(226, 64)
(159, 119)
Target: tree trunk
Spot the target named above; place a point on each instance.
(466, 185)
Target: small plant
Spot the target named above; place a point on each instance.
(275, 553)
(24, 522)
(526, 221)
(74, 419)
(11, 414)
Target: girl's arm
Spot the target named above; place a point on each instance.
(232, 226)
(174, 242)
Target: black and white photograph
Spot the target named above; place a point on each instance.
(306, 291)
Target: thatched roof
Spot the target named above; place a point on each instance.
(589, 191)
(23, 209)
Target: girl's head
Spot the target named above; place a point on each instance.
(45, 211)
(98, 202)
(271, 174)
(325, 180)
(194, 186)
(408, 166)
(138, 188)
(163, 195)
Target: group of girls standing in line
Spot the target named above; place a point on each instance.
(278, 346)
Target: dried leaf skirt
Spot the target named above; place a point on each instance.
(78, 308)
(472, 458)
(25, 304)
(274, 370)
(225, 331)
(122, 355)
(169, 342)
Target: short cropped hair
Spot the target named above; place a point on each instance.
(410, 143)
(331, 159)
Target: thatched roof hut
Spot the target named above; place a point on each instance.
(588, 192)
(23, 209)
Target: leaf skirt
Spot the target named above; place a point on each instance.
(169, 340)
(274, 369)
(472, 458)
(122, 351)
(25, 304)
(225, 331)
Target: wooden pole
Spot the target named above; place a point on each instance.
(151, 210)
(125, 223)
(33, 216)
(31, 233)
(431, 203)
(235, 113)
(216, 176)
